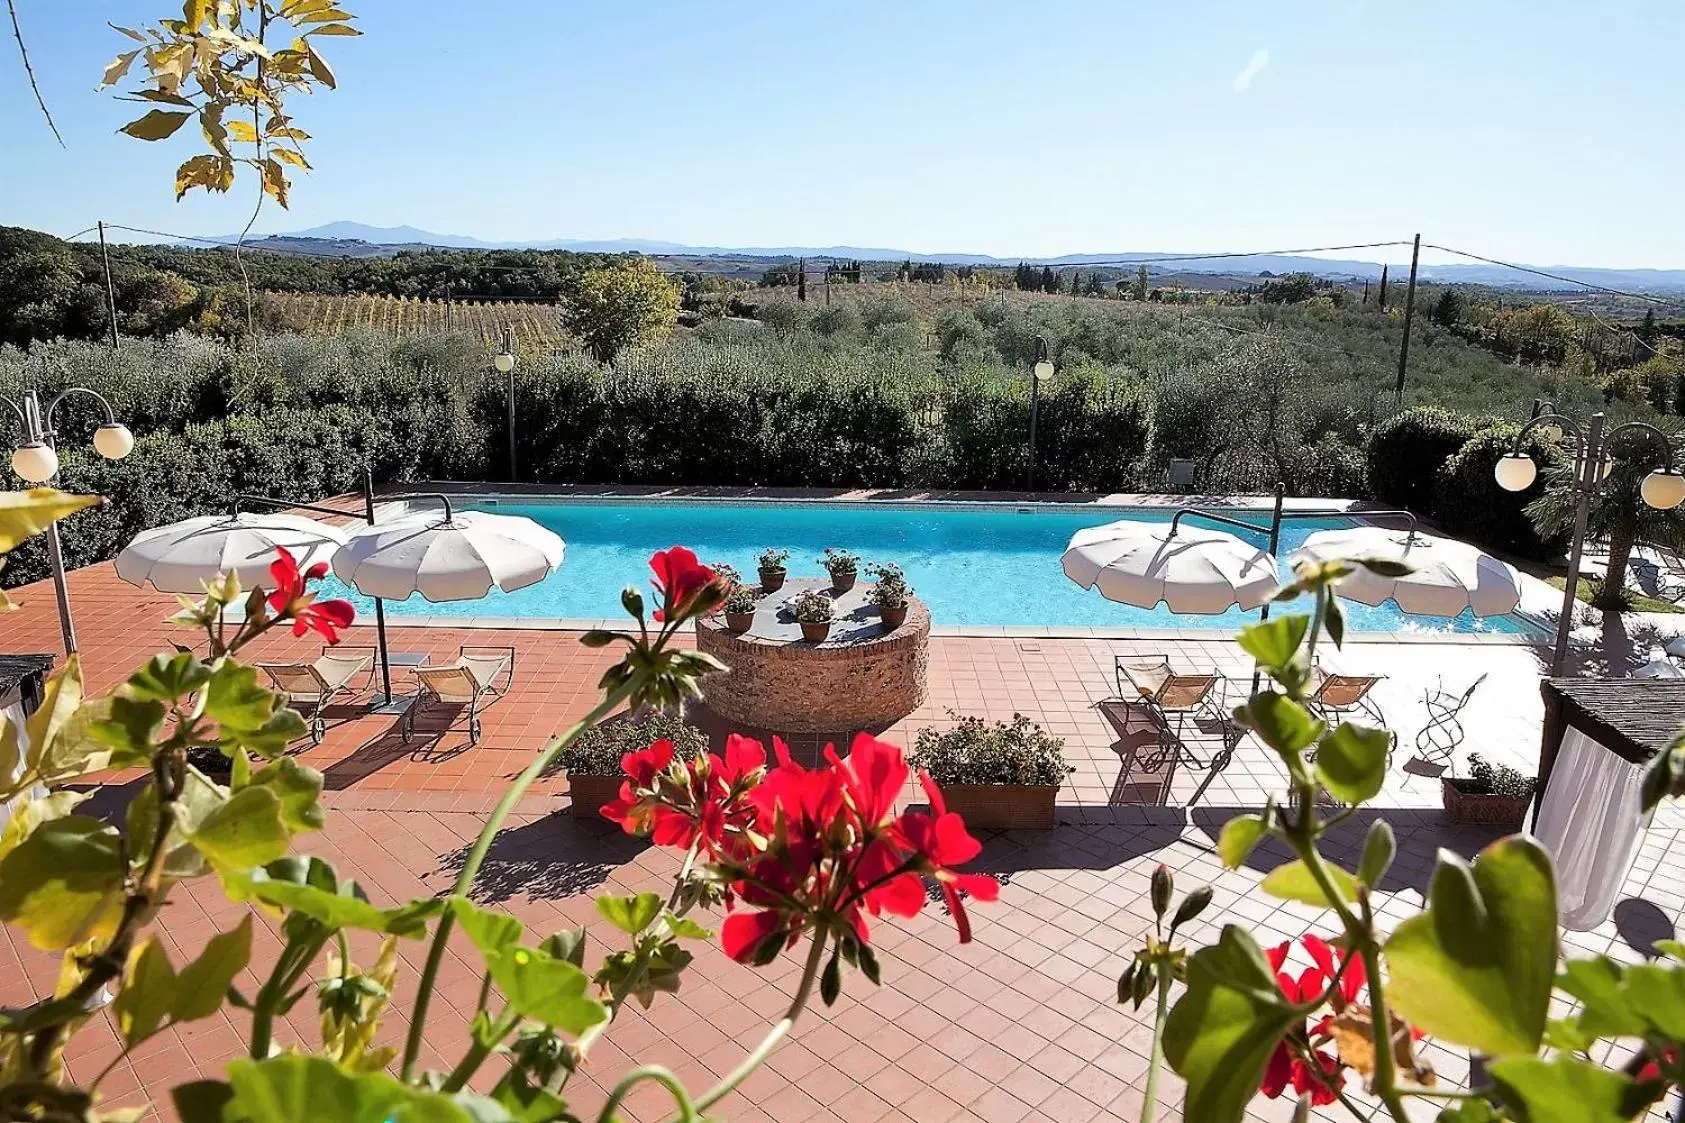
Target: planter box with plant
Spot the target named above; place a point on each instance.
(1496, 795)
(1001, 775)
(772, 569)
(593, 762)
(814, 613)
(890, 593)
(843, 566)
(739, 608)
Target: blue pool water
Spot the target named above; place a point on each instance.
(973, 565)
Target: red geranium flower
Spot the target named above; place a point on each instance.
(941, 841)
(680, 580)
(702, 801)
(1287, 1065)
(292, 598)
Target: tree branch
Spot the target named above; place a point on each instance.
(23, 52)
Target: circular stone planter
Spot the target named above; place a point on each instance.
(862, 676)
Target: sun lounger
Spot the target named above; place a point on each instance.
(1148, 681)
(317, 684)
(471, 682)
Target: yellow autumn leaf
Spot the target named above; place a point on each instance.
(23, 513)
(1353, 1031)
(334, 29)
(274, 181)
(242, 131)
(213, 173)
(156, 125)
(119, 67)
(288, 156)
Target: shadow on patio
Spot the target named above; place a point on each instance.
(549, 858)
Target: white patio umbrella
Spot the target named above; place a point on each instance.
(1193, 570)
(181, 557)
(446, 555)
(1448, 575)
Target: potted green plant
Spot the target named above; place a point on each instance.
(739, 608)
(593, 761)
(890, 593)
(1493, 794)
(772, 571)
(843, 566)
(1003, 775)
(813, 612)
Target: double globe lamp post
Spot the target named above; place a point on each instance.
(504, 363)
(36, 461)
(1663, 489)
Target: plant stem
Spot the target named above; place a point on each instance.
(1386, 1070)
(810, 974)
(662, 1076)
(478, 1051)
(1149, 1105)
(477, 856)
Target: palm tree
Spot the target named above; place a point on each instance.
(1618, 513)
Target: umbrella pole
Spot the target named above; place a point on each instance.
(1275, 545)
(379, 605)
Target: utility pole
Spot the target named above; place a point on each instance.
(1409, 314)
(110, 290)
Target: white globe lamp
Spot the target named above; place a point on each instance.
(1515, 471)
(1043, 370)
(1663, 489)
(113, 441)
(35, 463)
(503, 361)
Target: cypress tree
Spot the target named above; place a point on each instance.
(1381, 298)
(801, 279)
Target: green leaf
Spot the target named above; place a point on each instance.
(1600, 985)
(1221, 1032)
(148, 991)
(1673, 949)
(545, 989)
(1334, 620)
(1293, 882)
(1239, 837)
(63, 884)
(1656, 993)
(688, 929)
(342, 909)
(1280, 722)
(204, 983)
(1470, 1111)
(165, 678)
(201, 1101)
(272, 738)
(630, 914)
(1378, 851)
(1386, 567)
(1352, 762)
(490, 930)
(297, 1089)
(245, 832)
(1476, 967)
(156, 125)
(131, 727)
(60, 700)
(1274, 642)
(1567, 1090)
(526, 1102)
(235, 701)
(568, 944)
(298, 788)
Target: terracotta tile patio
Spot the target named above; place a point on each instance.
(1020, 1025)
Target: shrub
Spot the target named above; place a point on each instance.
(838, 561)
(890, 588)
(812, 607)
(740, 600)
(838, 320)
(980, 752)
(1472, 504)
(599, 749)
(1486, 778)
(774, 558)
(1408, 449)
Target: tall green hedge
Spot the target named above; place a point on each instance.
(1471, 504)
(1407, 451)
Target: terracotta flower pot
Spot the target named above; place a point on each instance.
(739, 621)
(591, 792)
(1003, 807)
(843, 582)
(1482, 807)
(773, 579)
(893, 618)
(816, 633)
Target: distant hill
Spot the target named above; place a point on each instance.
(356, 239)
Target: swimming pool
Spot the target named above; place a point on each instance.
(973, 564)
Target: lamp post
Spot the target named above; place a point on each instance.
(504, 362)
(36, 461)
(1041, 372)
(1663, 489)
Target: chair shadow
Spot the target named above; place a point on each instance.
(560, 855)
(1147, 768)
(388, 747)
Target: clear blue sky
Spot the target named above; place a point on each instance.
(1541, 130)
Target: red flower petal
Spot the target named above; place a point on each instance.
(744, 932)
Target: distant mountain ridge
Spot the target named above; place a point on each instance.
(356, 239)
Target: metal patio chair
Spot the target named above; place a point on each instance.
(1335, 697)
(318, 684)
(1440, 737)
(470, 682)
(1149, 681)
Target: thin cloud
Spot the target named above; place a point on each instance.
(1254, 67)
